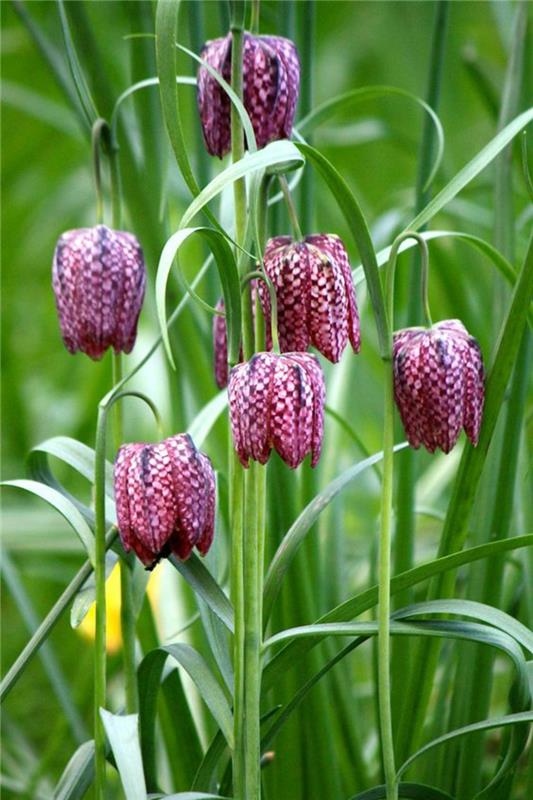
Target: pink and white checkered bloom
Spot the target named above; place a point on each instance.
(98, 277)
(277, 401)
(165, 499)
(315, 294)
(220, 339)
(271, 82)
(438, 384)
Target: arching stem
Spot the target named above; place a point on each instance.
(293, 216)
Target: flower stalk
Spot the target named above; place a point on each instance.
(245, 513)
(100, 623)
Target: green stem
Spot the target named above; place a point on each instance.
(384, 575)
(293, 216)
(407, 463)
(384, 559)
(237, 564)
(252, 635)
(98, 132)
(305, 13)
(127, 615)
(116, 198)
(256, 13)
(246, 774)
(100, 626)
(239, 187)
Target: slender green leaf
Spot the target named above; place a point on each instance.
(65, 507)
(480, 611)
(485, 725)
(471, 170)
(281, 156)
(183, 743)
(203, 422)
(123, 736)
(165, 28)
(229, 278)
(47, 625)
(366, 600)
(243, 114)
(412, 791)
(76, 454)
(78, 775)
(333, 106)
(202, 582)
(210, 690)
(189, 796)
(182, 80)
(296, 534)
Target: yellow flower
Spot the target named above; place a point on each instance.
(112, 595)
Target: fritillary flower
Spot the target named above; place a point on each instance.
(277, 401)
(165, 498)
(438, 384)
(98, 277)
(315, 294)
(271, 82)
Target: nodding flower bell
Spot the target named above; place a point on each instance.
(438, 384)
(165, 497)
(315, 294)
(220, 339)
(277, 401)
(271, 82)
(98, 277)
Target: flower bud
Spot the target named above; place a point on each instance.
(438, 384)
(220, 338)
(315, 294)
(277, 401)
(165, 498)
(98, 277)
(271, 82)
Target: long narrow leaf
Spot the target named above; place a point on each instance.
(296, 534)
(123, 736)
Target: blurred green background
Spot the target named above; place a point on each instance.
(47, 188)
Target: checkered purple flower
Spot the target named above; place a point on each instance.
(98, 277)
(438, 384)
(277, 401)
(271, 82)
(315, 294)
(165, 497)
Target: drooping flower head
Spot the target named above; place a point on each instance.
(98, 277)
(315, 294)
(165, 498)
(271, 82)
(277, 401)
(438, 384)
(220, 339)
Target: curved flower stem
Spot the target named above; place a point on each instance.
(98, 131)
(256, 14)
(293, 216)
(103, 141)
(100, 624)
(262, 276)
